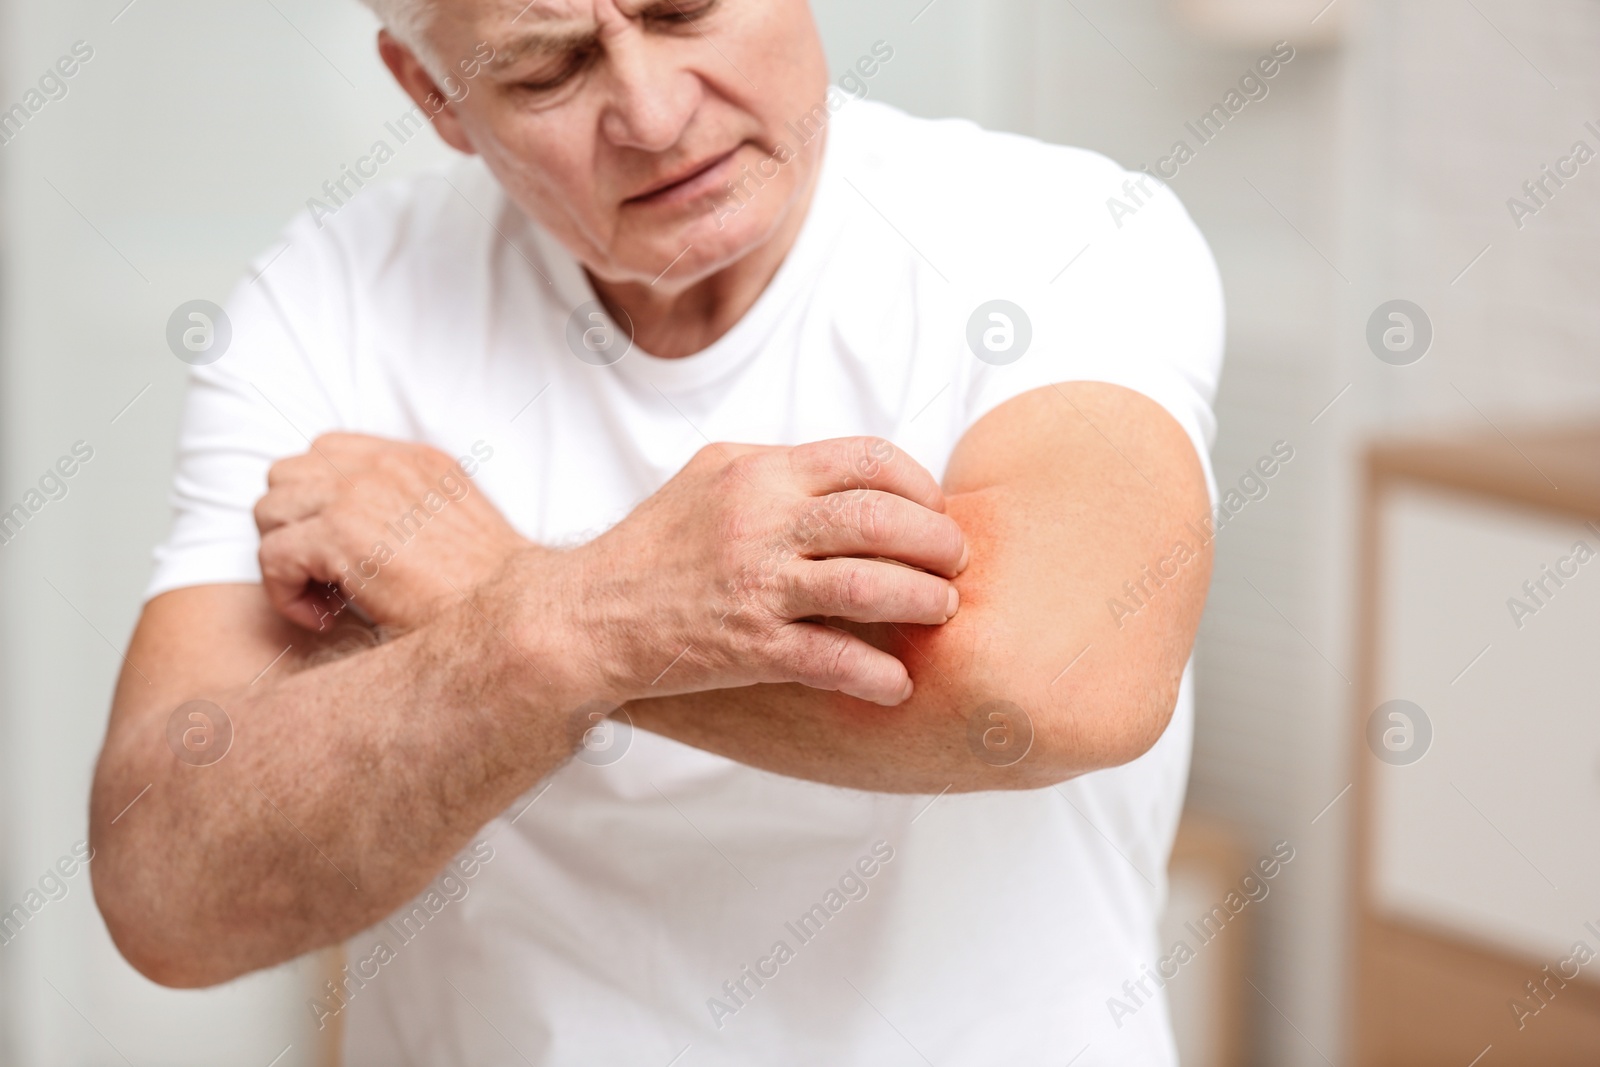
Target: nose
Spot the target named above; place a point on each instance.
(653, 94)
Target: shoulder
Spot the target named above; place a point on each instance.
(380, 275)
(398, 232)
(1009, 203)
(970, 170)
(345, 281)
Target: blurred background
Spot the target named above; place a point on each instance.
(1445, 452)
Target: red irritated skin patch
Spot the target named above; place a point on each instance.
(1064, 494)
(982, 655)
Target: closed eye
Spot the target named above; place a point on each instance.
(674, 13)
(560, 71)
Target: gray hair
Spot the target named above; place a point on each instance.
(407, 20)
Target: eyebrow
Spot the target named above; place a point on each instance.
(560, 38)
(539, 44)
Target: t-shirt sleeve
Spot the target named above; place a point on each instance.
(267, 397)
(1140, 306)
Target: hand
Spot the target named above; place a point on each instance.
(390, 528)
(723, 578)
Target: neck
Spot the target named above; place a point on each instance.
(674, 321)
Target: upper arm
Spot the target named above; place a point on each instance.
(1088, 514)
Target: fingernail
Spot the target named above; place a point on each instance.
(952, 604)
(905, 694)
(966, 557)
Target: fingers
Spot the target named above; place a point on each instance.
(864, 463)
(292, 501)
(297, 566)
(347, 466)
(863, 590)
(825, 658)
(876, 524)
(295, 469)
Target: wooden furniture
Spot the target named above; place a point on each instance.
(1209, 997)
(1476, 867)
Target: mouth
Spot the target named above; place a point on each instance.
(689, 184)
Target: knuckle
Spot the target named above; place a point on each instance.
(400, 472)
(280, 472)
(875, 518)
(272, 554)
(391, 463)
(870, 453)
(806, 522)
(714, 456)
(346, 525)
(735, 525)
(333, 440)
(791, 659)
(434, 459)
(740, 471)
(837, 654)
(853, 586)
(873, 445)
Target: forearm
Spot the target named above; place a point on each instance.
(995, 706)
(1040, 676)
(925, 745)
(347, 787)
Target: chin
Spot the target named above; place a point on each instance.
(716, 240)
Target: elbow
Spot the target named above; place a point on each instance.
(138, 932)
(1096, 731)
(154, 925)
(1132, 727)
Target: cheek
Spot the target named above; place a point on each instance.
(547, 170)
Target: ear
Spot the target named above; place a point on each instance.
(419, 85)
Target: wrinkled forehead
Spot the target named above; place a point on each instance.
(514, 27)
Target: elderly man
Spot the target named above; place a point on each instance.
(832, 483)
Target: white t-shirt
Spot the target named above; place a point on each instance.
(635, 911)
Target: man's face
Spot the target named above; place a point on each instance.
(618, 124)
